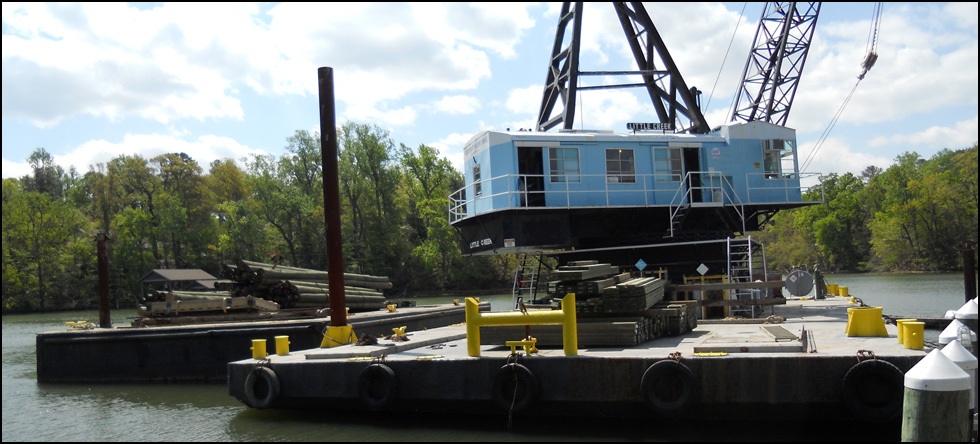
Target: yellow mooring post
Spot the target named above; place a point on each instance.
(566, 317)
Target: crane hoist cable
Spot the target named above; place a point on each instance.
(869, 60)
(722, 67)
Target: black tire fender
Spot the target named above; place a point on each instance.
(261, 388)
(669, 387)
(514, 388)
(874, 390)
(376, 386)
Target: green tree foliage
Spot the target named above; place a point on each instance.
(916, 215)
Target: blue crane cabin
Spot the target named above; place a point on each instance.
(528, 191)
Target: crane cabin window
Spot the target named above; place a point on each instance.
(778, 158)
(477, 186)
(564, 165)
(668, 165)
(619, 166)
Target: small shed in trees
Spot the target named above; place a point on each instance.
(192, 279)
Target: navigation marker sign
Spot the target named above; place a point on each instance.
(641, 265)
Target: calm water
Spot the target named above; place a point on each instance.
(200, 412)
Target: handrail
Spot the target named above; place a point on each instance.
(566, 317)
(512, 188)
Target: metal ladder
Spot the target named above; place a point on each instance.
(526, 277)
(743, 264)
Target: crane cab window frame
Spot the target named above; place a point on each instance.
(620, 165)
(477, 185)
(564, 164)
(668, 164)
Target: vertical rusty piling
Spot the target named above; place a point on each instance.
(331, 198)
(102, 240)
(969, 273)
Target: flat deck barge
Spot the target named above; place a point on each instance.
(727, 370)
(201, 352)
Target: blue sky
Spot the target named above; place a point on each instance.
(89, 82)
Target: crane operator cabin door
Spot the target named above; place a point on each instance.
(692, 168)
(530, 167)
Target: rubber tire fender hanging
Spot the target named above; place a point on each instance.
(261, 388)
(874, 390)
(668, 387)
(376, 386)
(506, 388)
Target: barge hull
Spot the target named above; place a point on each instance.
(200, 353)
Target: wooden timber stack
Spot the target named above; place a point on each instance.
(614, 309)
(633, 295)
(293, 287)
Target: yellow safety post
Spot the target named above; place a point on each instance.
(282, 345)
(865, 321)
(914, 339)
(842, 291)
(566, 317)
(901, 329)
(258, 349)
(335, 336)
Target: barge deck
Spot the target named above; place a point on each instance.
(716, 371)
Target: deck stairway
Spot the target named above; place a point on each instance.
(526, 277)
(746, 262)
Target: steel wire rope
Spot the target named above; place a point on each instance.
(722, 67)
(866, 65)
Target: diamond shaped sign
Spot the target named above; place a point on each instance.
(641, 265)
(703, 269)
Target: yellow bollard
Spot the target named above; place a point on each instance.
(832, 289)
(842, 291)
(901, 329)
(258, 349)
(865, 321)
(914, 331)
(282, 345)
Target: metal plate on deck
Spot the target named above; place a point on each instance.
(779, 333)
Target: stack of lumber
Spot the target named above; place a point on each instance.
(633, 295)
(293, 287)
(664, 319)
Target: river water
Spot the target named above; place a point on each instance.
(203, 412)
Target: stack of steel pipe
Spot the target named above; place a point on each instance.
(294, 287)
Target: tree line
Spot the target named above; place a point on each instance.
(915, 216)
(168, 212)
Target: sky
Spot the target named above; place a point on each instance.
(89, 82)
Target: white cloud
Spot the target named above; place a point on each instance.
(457, 105)
(15, 169)
(960, 135)
(205, 149)
(834, 155)
(189, 61)
(525, 100)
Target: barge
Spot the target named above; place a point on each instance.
(801, 364)
(200, 352)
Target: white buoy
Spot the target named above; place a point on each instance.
(937, 397)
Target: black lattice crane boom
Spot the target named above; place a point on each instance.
(775, 63)
(676, 105)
